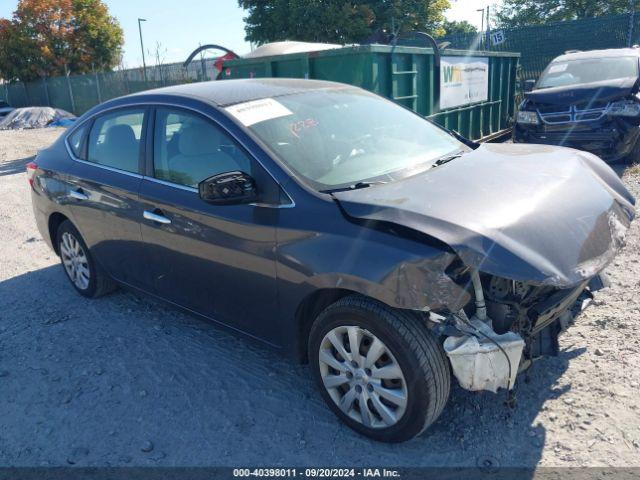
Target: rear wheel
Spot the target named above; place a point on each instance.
(379, 369)
(84, 274)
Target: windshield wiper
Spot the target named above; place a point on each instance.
(447, 159)
(355, 186)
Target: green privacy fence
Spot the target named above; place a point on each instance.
(539, 44)
(78, 93)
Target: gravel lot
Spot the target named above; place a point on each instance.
(127, 381)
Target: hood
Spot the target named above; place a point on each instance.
(586, 92)
(541, 214)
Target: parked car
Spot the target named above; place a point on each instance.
(5, 109)
(586, 100)
(339, 227)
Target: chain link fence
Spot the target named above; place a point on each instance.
(539, 44)
(78, 93)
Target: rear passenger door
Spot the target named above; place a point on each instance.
(104, 191)
(217, 260)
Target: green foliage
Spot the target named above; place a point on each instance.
(456, 28)
(49, 37)
(337, 21)
(518, 13)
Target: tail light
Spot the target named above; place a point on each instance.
(31, 172)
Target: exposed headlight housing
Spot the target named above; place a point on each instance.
(530, 118)
(624, 108)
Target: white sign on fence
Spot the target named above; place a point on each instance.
(497, 38)
(463, 80)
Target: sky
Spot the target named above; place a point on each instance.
(179, 27)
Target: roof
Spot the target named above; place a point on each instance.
(611, 52)
(229, 92)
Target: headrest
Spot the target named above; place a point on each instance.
(120, 135)
(199, 139)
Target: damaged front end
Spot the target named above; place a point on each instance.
(601, 118)
(529, 229)
(507, 326)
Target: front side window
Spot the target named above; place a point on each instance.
(188, 149)
(114, 140)
(339, 137)
(587, 70)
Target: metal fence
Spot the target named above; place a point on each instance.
(539, 44)
(78, 93)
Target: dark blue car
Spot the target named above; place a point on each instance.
(339, 227)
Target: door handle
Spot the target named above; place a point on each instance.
(155, 217)
(78, 194)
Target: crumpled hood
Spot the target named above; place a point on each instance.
(586, 92)
(536, 213)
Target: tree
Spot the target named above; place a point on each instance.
(337, 21)
(518, 13)
(49, 37)
(456, 28)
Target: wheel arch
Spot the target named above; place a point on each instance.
(309, 309)
(54, 222)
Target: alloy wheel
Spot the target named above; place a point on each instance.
(362, 376)
(75, 261)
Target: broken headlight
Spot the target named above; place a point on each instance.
(624, 108)
(530, 118)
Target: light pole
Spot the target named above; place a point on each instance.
(481, 24)
(144, 63)
(482, 19)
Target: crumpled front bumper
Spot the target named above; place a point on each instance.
(484, 358)
(611, 140)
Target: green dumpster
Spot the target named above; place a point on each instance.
(471, 93)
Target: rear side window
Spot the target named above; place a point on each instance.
(115, 138)
(188, 149)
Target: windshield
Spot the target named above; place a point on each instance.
(341, 137)
(587, 70)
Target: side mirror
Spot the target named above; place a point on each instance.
(529, 84)
(228, 188)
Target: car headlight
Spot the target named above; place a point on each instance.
(530, 118)
(624, 108)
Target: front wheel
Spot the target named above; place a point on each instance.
(379, 369)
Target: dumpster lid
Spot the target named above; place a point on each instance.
(286, 47)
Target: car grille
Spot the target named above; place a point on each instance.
(574, 114)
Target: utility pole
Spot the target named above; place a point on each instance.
(144, 63)
(488, 30)
(632, 13)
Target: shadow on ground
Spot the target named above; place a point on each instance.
(126, 381)
(14, 166)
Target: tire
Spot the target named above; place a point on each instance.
(424, 379)
(93, 282)
(634, 155)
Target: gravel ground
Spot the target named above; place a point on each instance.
(127, 381)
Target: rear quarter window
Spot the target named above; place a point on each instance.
(76, 142)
